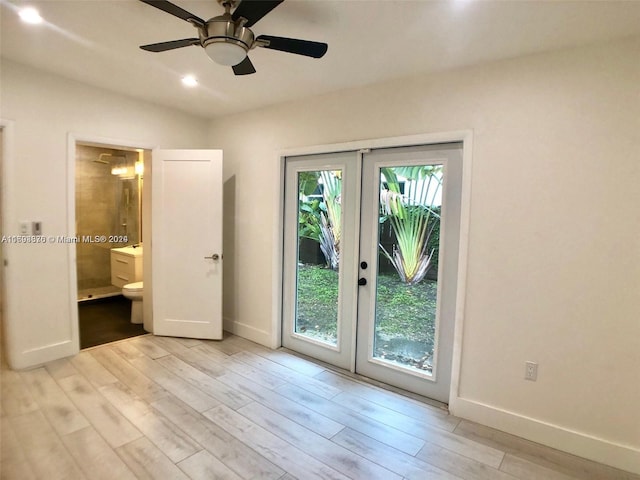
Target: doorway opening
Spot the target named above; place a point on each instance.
(109, 184)
(371, 263)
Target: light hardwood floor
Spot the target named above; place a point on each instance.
(166, 408)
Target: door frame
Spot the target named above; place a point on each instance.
(463, 136)
(6, 167)
(72, 140)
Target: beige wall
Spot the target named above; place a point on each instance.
(45, 110)
(554, 256)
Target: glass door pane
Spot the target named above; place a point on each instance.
(319, 233)
(319, 256)
(409, 206)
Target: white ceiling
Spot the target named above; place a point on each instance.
(370, 41)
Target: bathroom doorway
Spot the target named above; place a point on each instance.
(108, 218)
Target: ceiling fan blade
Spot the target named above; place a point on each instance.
(174, 10)
(294, 45)
(245, 67)
(164, 46)
(254, 10)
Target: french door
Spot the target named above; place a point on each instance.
(371, 262)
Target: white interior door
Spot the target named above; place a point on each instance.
(186, 238)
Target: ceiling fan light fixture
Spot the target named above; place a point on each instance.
(225, 53)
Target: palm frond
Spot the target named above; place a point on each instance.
(412, 217)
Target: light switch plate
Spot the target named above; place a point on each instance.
(36, 228)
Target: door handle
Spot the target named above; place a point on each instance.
(215, 256)
(362, 281)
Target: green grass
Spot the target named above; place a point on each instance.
(404, 312)
(317, 302)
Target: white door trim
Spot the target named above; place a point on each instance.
(463, 136)
(8, 316)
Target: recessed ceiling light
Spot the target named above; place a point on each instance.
(30, 15)
(189, 81)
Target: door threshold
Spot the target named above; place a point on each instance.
(112, 343)
(369, 381)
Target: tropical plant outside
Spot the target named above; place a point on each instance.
(413, 217)
(320, 219)
(309, 207)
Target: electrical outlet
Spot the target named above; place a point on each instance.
(531, 371)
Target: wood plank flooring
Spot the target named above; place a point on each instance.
(167, 408)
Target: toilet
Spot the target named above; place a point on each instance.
(133, 291)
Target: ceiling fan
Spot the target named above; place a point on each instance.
(227, 38)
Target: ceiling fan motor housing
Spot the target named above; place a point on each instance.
(223, 29)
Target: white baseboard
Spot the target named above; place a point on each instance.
(37, 356)
(624, 457)
(247, 331)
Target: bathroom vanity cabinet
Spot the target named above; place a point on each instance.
(126, 265)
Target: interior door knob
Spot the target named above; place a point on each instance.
(362, 281)
(215, 256)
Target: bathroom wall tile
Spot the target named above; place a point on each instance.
(104, 203)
